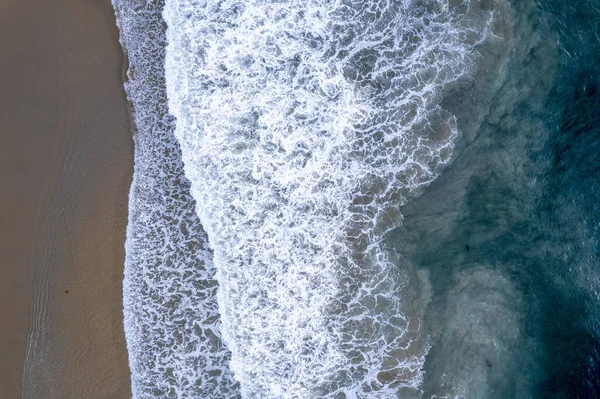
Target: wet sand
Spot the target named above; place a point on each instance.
(65, 170)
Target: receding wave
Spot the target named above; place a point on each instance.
(171, 316)
(304, 126)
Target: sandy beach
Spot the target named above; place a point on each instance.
(65, 170)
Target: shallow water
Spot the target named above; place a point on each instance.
(400, 198)
(171, 317)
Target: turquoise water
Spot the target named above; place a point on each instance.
(517, 315)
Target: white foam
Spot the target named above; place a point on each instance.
(304, 127)
(171, 316)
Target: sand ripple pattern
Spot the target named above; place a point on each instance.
(304, 126)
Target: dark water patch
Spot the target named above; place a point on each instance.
(572, 202)
(576, 146)
(572, 196)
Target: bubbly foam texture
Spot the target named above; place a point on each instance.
(171, 313)
(304, 127)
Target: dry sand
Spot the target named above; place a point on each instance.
(65, 170)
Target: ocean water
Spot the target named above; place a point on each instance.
(171, 320)
(363, 199)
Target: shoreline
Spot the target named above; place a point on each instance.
(66, 169)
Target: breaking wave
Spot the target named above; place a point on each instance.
(304, 126)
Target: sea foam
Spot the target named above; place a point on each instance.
(304, 126)
(171, 318)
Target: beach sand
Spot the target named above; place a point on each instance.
(65, 170)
